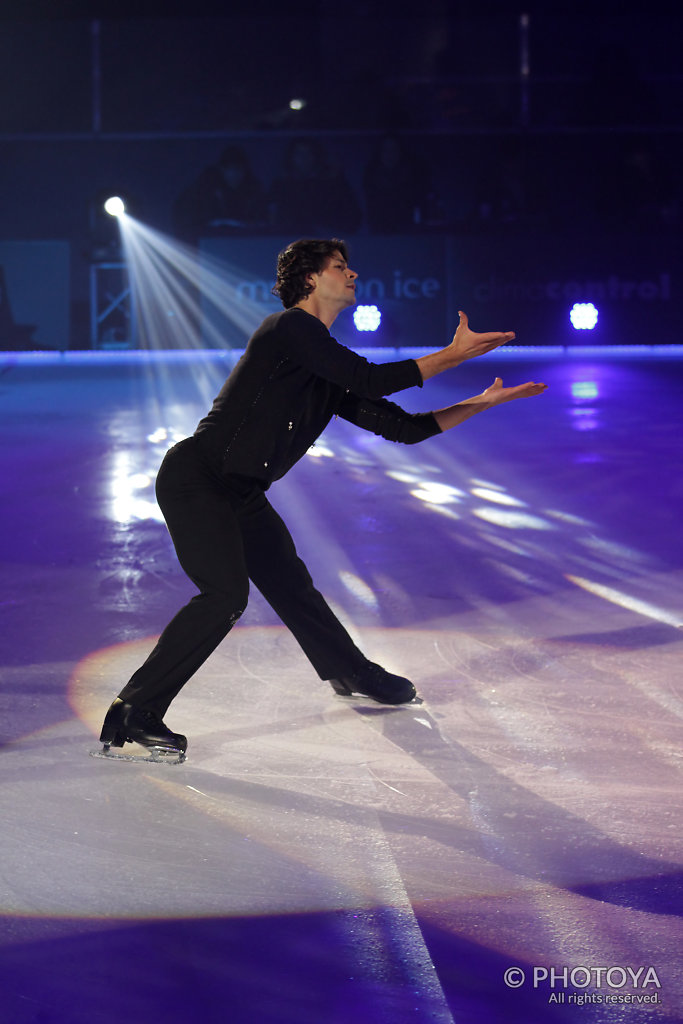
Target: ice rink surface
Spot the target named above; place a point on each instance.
(508, 850)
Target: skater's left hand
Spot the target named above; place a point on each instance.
(467, 344)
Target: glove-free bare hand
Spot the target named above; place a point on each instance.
(467, 344)
(496, 394)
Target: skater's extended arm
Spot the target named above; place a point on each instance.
(494, 395)
(466, 344)
(395, 424)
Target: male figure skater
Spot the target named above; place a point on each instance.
(292, 379)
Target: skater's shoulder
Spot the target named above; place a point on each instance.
(287, 325)
(295, 317)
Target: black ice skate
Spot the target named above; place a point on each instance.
(374, 681)
(125, 723)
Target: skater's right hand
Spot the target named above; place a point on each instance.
(496, 394)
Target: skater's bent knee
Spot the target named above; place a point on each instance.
(223, 604)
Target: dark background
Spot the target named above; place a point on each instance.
(548, 141)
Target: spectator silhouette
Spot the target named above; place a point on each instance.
(635, 188)
(502, 192)
(311, 196)
(226, 198)
(395, 188)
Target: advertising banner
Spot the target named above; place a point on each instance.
(418, 283)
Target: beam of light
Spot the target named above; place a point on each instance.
(173, 287)
(632, 604)
(168, 285)
(179, 299)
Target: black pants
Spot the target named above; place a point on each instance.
(225, 533)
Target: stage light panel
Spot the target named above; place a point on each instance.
(367, 318)
(583, 316)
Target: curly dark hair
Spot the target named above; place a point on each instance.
(297, 261)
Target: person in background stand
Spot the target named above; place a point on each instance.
(225, 199)
(311, 191)
(292, 379)
(396, 197)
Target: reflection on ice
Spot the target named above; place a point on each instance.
(512, 520)
(633, 604)
(163, 434)
(497, 497)
(356, 586)
(437, 493)
(126, 503)
(320, 450)
(351, 856)
(565, 517)
(585, 389)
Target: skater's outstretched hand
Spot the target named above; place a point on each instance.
(467, 344)
(494, 395)
(497, 394)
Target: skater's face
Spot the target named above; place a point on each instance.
(336, 282)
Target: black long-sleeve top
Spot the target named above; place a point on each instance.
(292, 379)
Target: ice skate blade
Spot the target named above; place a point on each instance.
(155, 755)
(364, 698)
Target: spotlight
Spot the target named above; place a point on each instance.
(367, 318)
(115, 206)
(583, 316)
(297, 103)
